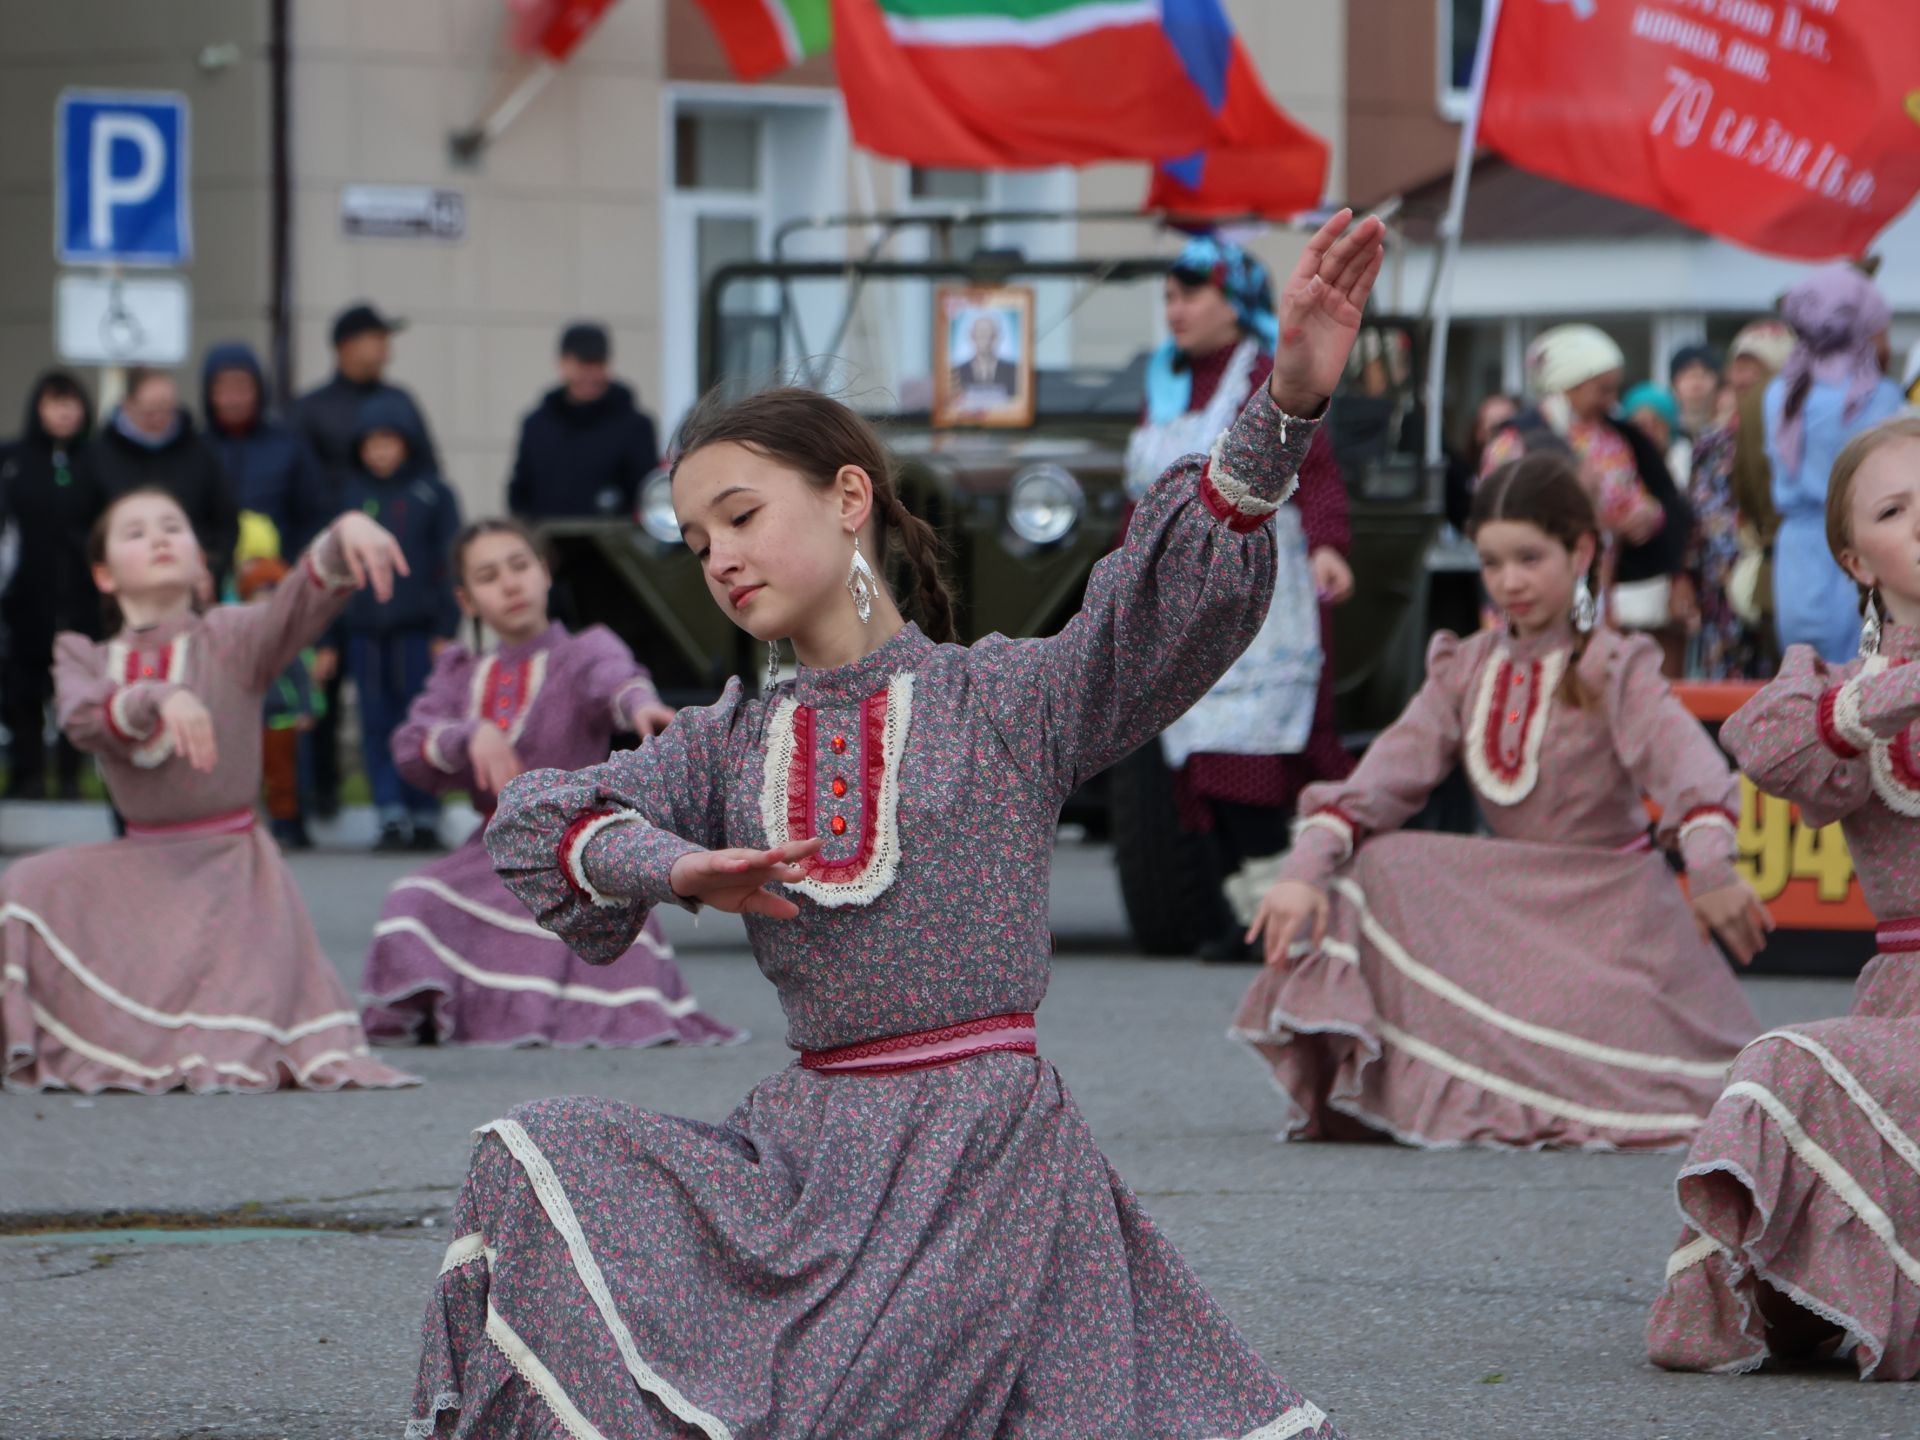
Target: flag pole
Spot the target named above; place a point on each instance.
(1440, 295)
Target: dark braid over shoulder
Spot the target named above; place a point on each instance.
(926, 553)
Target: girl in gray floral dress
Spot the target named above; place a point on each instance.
(909, 1233)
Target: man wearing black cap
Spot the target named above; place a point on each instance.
(329, 417)
(587, 447)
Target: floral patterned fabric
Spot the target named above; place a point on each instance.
(936, 1253)
(1805, 1181)
(1724, 647)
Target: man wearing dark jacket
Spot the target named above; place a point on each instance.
(328, 417)
(269, 465)
(391, 644)
(587, 447)
(49, 513)
(150, 439)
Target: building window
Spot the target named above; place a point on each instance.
(716, 152)
(967, 186)
(1459, 38)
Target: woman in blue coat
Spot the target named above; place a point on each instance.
(1834, 386)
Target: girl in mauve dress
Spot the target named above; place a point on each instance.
(909, 1234)
(180, 957)
(455, 958)
(1550, 986)
(1801, 1194)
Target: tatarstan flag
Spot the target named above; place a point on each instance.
(764, 37)
(995, 84)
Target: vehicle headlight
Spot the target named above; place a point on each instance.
(1044, 503)
(656, 515)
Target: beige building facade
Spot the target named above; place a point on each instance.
(635, 171)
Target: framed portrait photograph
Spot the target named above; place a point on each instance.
(983, 355)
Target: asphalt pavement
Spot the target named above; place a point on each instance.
(1414, 1296)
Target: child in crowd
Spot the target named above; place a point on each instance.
(390, 644)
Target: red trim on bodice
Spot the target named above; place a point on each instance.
(802, 800)
(1502, 721)
(504, 695)
(159, 670)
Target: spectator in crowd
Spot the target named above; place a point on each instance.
(268, 464)
(329, 419)
(587, 446)
(1575, 372)
(1652, 410)
(151, 440)
(1733, 517)
(1833, 387)
(47, 514)
(1463, 465)
(390, 646)
(1694, 375)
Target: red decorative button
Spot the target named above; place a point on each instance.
(839, 787)
(838, 825)
(1513, 717)
(147, 670)
(839, 743)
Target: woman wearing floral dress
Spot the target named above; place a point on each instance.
(910, 1232)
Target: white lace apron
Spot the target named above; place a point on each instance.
(1264, 704)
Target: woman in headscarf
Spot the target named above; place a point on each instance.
(1734, 520)
(1266, 730)
(1833, 387)
(1574, 373)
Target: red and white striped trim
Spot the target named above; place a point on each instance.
(431, 751)
(573, 853)
(924, 1049)
(1841, 727)
(118, 723)
(234, 822)
(321, 576)
(1333, 819)
(1899, 936)
(1231, 499)
(1704, 817)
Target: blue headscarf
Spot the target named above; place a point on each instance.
(1245, 282)
(1657, 398)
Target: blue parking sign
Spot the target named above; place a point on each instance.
(120, 167)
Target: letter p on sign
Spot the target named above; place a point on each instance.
(122, 194)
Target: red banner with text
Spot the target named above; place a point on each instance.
(1788, 126)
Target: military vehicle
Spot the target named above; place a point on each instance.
(1027, 511)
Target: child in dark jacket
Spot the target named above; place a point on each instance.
(390, 647)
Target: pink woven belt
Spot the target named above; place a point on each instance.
(229, 824)
(924, 1049)
(1898, 937)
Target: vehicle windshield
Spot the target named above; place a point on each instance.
(998, 345)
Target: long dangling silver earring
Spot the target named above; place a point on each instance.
(1870, 625)
(773, 663)
(1585, 612)
(862, 584)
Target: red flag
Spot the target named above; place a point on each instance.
(554, 28)
(1788, 126)
(1261, 160)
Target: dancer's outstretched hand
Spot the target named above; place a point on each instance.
(1735, 914)
(651, 718)
(186, 720)
(1287, 912)
(371, 553)
(737, 880)
(1320, 310)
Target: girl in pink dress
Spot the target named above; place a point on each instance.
(1801, 1194)
(181, 956)
(455, 958)
(1549, 986)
